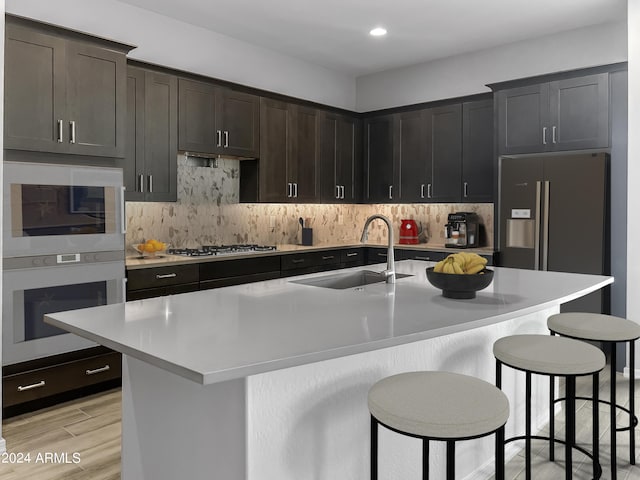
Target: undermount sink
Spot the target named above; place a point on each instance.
(341, 281)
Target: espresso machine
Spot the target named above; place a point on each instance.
(461, 230)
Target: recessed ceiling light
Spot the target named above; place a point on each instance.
(378, 32)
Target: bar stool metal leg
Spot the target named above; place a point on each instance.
(632, 403)
(500, 454)
(595, 425)
(374, 448)
(451, 460)
(527, 442)
(552, 419)
(612, 410)
(425, 459)
(570, 426)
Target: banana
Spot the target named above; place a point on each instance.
(448, 268)
(457, 268)
(438, 266)
(475, 269)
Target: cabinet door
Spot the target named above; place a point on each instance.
(329, 189)
(238, 118)
(160, 139)
(303, 165)
(523, 118)
(197, 111)
(34, 100)
(275, 121)
(133, 166)
(414, 155)
(446, 152)
(579, 114)
(348, 153)
(477, 151)
(96, 100)
(379, 158)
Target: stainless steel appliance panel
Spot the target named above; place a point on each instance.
(62, 209)
(29, 293)
(565, 197)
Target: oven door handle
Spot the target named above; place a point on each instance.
(123, 213)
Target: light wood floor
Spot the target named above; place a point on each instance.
(91, 427)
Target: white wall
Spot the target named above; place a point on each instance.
(633, 166)
(2, 442)
(469, 73)
(165, 41)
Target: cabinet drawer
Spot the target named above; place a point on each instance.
(239, 267)
(298, 261)
(44, 382)
(352, 255)
(162, 291)
(427, 256)
(162, 276)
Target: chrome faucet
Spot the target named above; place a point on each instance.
(390, 272)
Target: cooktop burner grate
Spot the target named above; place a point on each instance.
(210, 250)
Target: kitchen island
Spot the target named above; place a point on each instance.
(269, 380)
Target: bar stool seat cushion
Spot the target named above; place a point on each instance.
(549, 355)
(438, 405)
(594, 326)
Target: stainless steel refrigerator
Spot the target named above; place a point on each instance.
(554, 216)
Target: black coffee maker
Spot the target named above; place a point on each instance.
(462, 230)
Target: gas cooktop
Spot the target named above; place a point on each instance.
(210, 250)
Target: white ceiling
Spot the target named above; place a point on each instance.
(334, 33)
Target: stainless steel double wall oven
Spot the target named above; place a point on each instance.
(63, 249)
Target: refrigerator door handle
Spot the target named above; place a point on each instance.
(536, 241)
(545, 231)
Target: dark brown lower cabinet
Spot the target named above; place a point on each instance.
(36, 384)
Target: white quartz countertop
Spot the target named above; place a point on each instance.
(216, 335)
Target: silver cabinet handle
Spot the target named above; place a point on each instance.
(218, 138)
(553, 134)
(166, 275)
(289, 190)
(428, 190)
(150, 183)
(352, 254)
(141, 182)
(466, 189)
(338, 191)
(297, 260)
(295, 190)
(72, 124)
(60, 131)
(420, 257)
(328, 257)
(97, 370)
(422, 191)
(124, 290)
(390, 192)
(544, 135)
(123, 212)
(343, 192)
(31, 387)
(382, 254)
(226, 139)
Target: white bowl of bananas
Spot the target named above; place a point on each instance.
(460, 275)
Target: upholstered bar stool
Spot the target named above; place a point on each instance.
(557, 356)
(609, 330)
(439, 406)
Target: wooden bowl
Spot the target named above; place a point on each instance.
(460, 286)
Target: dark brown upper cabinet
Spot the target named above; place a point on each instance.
(150, 166)
(566, 114)
(478, 158)
(289, 152)
(446, 153)
(218, 120)
(64, 95)
(339, 158)
(379, 162)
